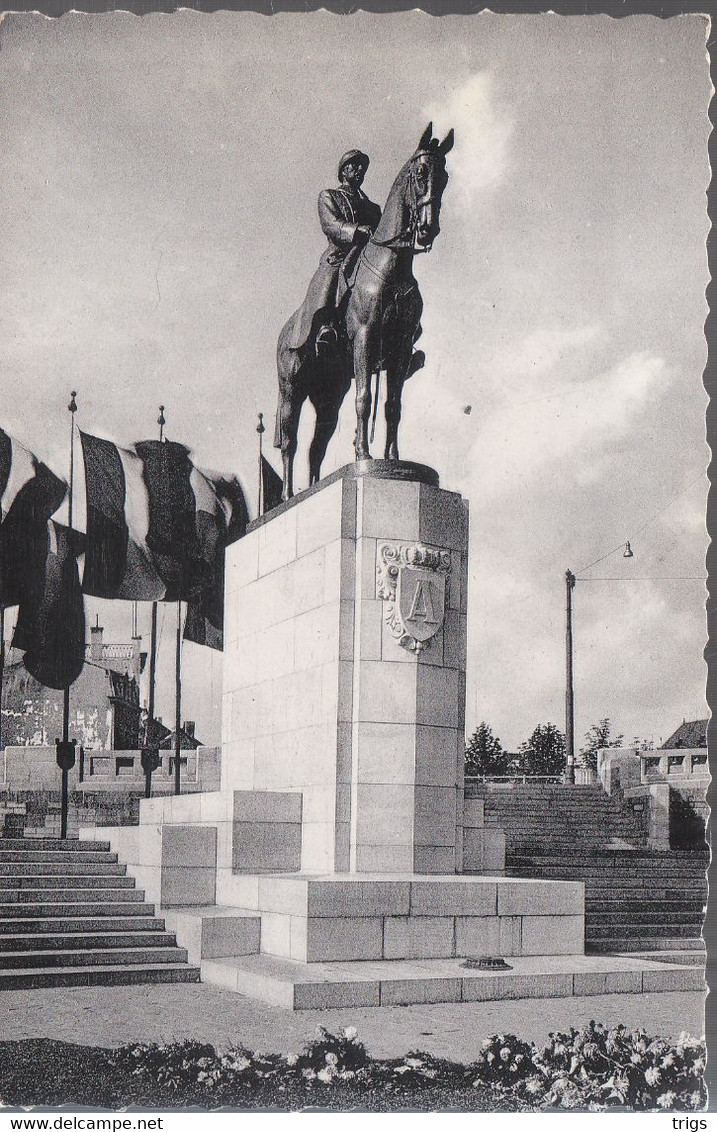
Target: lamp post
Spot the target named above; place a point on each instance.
(65, 747)
(569, 697)
(570, 580)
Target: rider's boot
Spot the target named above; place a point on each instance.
(326, 340)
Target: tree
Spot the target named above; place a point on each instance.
(642, 744)
(544, 752)
(599, 736)
(485, 754)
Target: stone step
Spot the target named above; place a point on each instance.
(651, 891)
(635, 931)
(653, 944)
(44, 909)
(54, 881)
(622, 874)
(68, 894)
(307, 986)
(101, 975)
(598, 886)
(76, 867)
(599, 904)
(102, 940)
(616, 858)
(115, 957)
(682, 956)
(49, 856)
(635, 917)
(76, 925)
(52, 844)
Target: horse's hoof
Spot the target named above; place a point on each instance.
(418, 361)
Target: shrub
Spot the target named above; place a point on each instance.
(594, 1068)
(598, 1067)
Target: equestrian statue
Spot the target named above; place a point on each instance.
(362, 310)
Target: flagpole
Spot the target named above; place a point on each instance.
(65, 748)
(150, 755)
(2, 662)
(261, 430)
(178, 702)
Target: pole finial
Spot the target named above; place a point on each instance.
(73, 403)
(260, 427)
(161, 421)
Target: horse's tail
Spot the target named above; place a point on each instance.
(376, 389)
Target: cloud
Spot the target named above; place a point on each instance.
(542, 350)
(483, 127)
(575, 417)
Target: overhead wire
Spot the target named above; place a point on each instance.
(630, 538)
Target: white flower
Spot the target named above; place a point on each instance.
(291, 1059)
(534, 1085)
(505, 1054)
(667, 1099)
(653, 1076)
(350, 1033)
(414, 1062)
(332, 1059)
(325, 1075)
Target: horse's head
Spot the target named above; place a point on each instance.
(428, 179)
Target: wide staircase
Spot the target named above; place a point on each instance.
(637, 900)
(70, 916)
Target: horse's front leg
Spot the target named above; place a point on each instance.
(362, 375)
(398, 369)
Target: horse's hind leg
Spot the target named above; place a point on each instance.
(326, 422)
(327, 406)
(288, 421)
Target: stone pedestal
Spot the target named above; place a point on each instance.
(344, 669)
(334, 848)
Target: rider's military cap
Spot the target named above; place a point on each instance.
(353, 155)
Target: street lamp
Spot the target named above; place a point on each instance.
(569, 698)
(570, 580)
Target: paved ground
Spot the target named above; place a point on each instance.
(110, 1016)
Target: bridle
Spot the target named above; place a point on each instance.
(407, 238)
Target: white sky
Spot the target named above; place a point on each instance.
(159, 225)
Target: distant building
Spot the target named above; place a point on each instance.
(690, 735)
(160, 736)
(105, 710)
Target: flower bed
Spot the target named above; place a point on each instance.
(593, 1069)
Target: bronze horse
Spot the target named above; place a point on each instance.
(379, 321)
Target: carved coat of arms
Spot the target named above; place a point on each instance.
(412, 582)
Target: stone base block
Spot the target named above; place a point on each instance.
(312, 986)
(314, 919)
(214, 932)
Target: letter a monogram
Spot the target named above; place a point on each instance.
(422, 604)
(412, 582)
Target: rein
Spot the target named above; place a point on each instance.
(406, 239)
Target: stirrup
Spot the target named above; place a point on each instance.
(325, 340)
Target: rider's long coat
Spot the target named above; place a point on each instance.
(341, 212)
